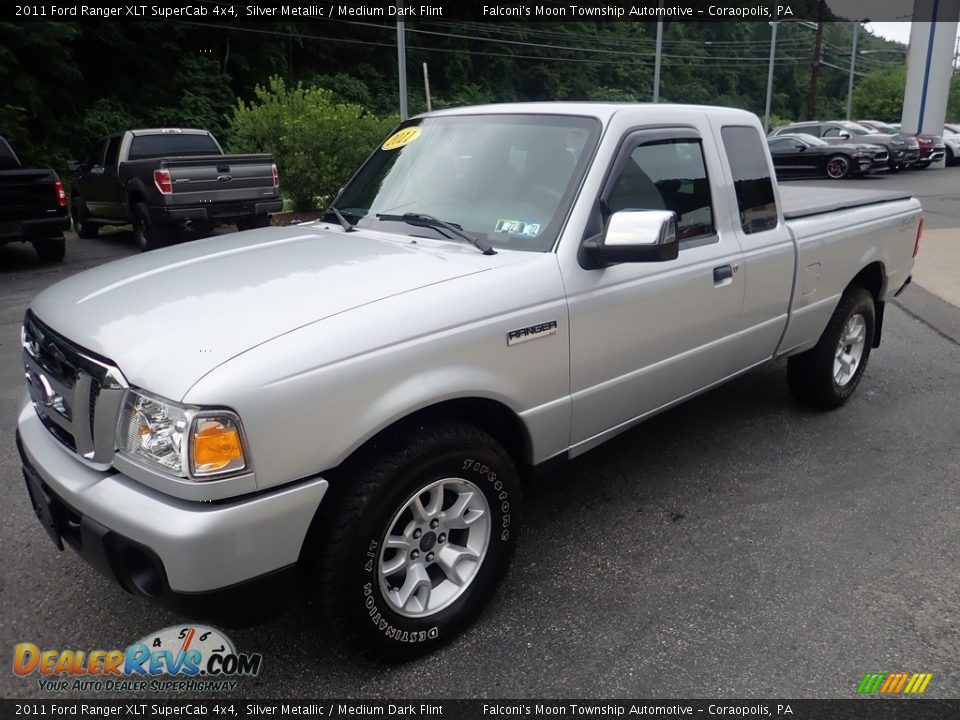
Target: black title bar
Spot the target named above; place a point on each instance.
(458, 10)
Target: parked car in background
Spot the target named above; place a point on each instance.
(951, 143)
(931, 147)
(798, 154)
(168, 180)
(33, 206)
(903, 151)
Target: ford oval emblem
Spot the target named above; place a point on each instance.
(224, 178)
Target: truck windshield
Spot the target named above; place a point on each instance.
(145, 147)
(506, 179)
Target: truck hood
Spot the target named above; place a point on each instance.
(166, 318)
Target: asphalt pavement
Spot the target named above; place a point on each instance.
(737, 546)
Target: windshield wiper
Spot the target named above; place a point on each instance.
(344, 223)
(422, 220)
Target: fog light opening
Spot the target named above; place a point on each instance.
(140, 571)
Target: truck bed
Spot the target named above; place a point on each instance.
(800, 201)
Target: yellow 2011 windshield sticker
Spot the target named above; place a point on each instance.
(401, 138)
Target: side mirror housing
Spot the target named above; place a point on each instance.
(633, 236)
(74, 165)
(843, 134)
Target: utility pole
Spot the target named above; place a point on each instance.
(402, 66)
(773, 55)
(426, 87)
(853, 67)
(815, 69)
(656, 61)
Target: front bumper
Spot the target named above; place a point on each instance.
(157, 545)
(216, 212)
(903, 158)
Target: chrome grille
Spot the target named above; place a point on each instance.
(76, 394)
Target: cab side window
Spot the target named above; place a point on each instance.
(751, 178)
(95, 159)
(667, 175)
(113, 149)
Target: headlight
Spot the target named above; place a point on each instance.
(187, 441)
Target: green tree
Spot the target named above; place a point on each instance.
(879, 96)
(317, 142)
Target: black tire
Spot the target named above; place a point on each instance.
(255, 221)
(345, 546)
(50, 249)
(81, 220)
(843, 165)
(949, 159)
(148, 235)
(810, 375)
(895, 168)
(922, 165)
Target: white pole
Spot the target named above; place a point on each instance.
(402, 67)
(773, 54)
(853, 65)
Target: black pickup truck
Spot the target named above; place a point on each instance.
(33, 206)
(170, 181)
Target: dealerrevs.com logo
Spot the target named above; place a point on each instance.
(179, 658)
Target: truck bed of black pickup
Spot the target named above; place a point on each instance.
(33, 206)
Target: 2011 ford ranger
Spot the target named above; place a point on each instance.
(358, 398)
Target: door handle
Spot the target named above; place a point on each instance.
(722, 275)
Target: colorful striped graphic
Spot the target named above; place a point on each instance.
(894, 683)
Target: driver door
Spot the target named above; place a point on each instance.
(646, 334)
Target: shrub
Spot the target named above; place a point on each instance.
(317, 142)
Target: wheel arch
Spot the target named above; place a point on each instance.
(489, 415)
(872, 278)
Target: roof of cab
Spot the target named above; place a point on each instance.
(601, 110)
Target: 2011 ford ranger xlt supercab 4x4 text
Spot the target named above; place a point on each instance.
(354, 401)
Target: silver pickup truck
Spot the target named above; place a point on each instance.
(356, 402)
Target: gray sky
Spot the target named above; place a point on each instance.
(899, 31)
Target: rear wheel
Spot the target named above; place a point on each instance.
(411, 544)
(838, 167)
(147, 233)
(254, 221)
(50, 249)
(81, 220)
(827, 375)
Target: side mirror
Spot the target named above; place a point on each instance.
(633, 236)
(74, 165)
(801, 148)
(844, 135)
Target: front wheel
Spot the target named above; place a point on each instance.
(414, 540)
(81, 220)
(827, 375)
(838, 167)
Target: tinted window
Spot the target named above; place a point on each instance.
(751, 178)
(8, 160)
(96, 155)
(113, 147)
(144, 147)
(667, 175)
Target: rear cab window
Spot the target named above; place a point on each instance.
(8, 159)
(146, 147)
(751, 178)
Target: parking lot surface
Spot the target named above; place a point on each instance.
(737, 546)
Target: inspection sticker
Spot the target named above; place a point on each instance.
(401, 138)
(517, 227)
